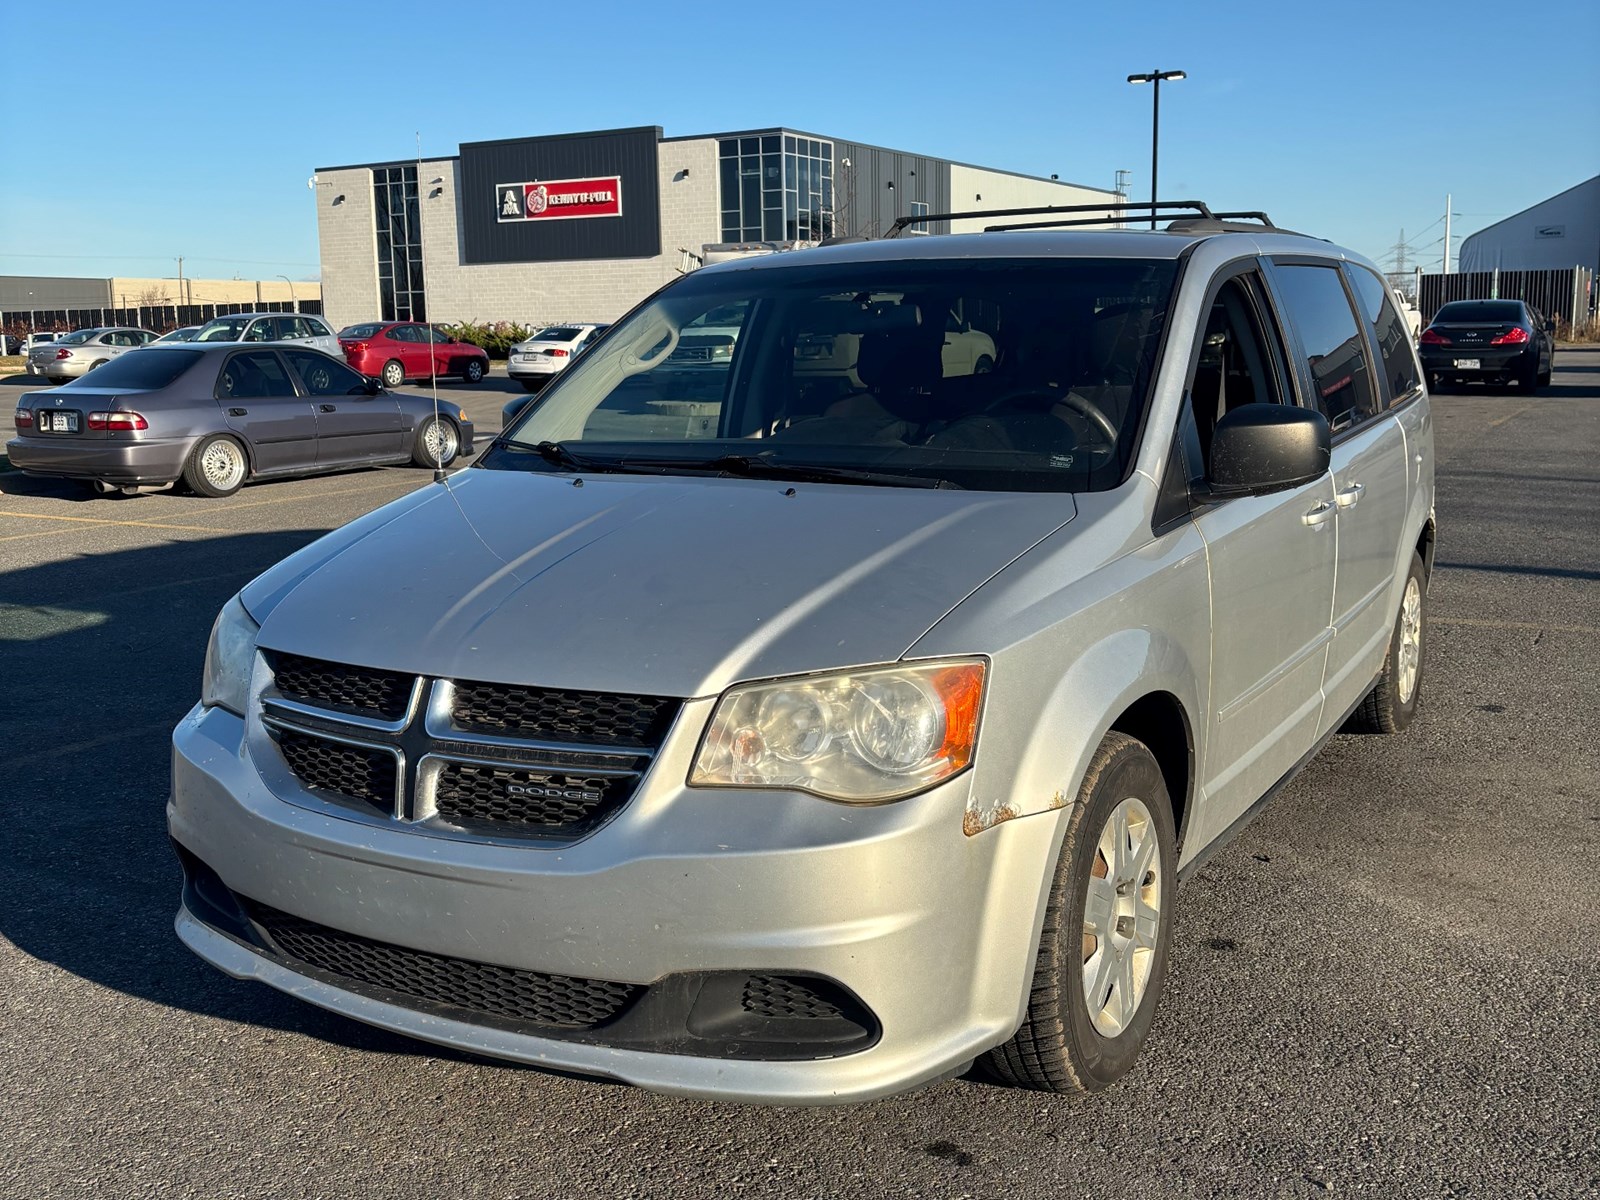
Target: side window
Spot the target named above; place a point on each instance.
(1236, 364)
(404, 333)
(324, 377)
(256, 375)
(287, 329)
(1394, 335)
(317, 328)
(1315, 303)
(259, 331)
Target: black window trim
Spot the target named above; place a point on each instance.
(1375, 351)
(1302, 365)
(1182, 491)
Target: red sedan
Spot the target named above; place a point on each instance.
(396, 351)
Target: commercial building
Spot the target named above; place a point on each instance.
(582, 226)
(1561, 232)
(29, 302)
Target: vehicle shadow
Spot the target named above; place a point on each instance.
(102, 656)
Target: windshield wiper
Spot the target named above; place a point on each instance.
(766, 468)
(557, 454)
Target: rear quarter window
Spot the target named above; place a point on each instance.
(1400, 371)
(1334, 345)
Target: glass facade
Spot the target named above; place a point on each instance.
(397, 220)
(776, 187)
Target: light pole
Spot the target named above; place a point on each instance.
(290, 282)
(1155, 77)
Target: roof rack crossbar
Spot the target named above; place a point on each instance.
(1251, 215)
(1145, 206)
(1103, 220)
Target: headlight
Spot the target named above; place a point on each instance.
(229, 658)
(860, 736)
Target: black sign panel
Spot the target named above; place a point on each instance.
(569, 163)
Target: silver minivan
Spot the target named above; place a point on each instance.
(820, 734)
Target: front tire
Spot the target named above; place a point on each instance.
(473, 371)
(1528, 378)
(1392, 703)
(1107, 927)
(437, 443)
(393, 374)
(216, 467)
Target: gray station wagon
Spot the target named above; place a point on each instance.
(828, 730)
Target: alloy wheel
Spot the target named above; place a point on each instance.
(1121, 917)
(223, 465)
(1410, 640)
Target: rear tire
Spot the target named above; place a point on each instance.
(437, 443)
(393, 374)
(1392, 703)
(473, 371)
(1108, 919)
(529, 385)
(216, 467)
(92, 366)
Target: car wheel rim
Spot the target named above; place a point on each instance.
(222, 465)
(393, 376)
(1121, 917)
(1410, 640)
(439, 440)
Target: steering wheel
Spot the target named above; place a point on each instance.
(1102, 450)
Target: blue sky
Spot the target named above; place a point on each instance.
(194, 131)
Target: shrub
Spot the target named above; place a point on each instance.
(495, 337)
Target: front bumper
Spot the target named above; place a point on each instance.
(933, 931)
(154, 460)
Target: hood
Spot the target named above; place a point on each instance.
(671, 586)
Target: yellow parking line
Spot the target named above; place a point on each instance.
(1474, 623)
(100, 521)
(1509, 415)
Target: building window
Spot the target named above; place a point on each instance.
(919, 208)
(776, 187)
(397, 222)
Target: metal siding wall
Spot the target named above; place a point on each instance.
(1563, 294)
(873, 207)
(631, 154)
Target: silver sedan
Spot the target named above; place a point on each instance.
(213, 417)
(82, 351)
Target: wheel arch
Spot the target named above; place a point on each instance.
(1159, 721)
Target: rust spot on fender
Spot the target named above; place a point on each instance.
(1058, 801)
(977, 820)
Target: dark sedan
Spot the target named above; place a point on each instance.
(214, 416)
(1488, 341)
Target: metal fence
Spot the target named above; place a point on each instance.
(1567, 294)
(159, 317)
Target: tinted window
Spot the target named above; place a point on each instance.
(318, 329)
(1466, 312)
(404, 333)
(1317, 306)
(1235, 365)
(146, 370)
(324, 377)
(556, 333)
(1394, 335)
(256, 375)
(359, 331)
(849, 365)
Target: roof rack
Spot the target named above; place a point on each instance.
(1192, 214)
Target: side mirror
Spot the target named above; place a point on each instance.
(374, 384)
(1262, 448)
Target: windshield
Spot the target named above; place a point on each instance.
(1021, 375)
(1480, 310)
(359, 331)
(223, 329)
(180, 335)
(144, 370)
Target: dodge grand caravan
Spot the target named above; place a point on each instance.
(798, 744)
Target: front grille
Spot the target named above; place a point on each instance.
(525, 997)
(363, 691)
(595, 718)
(466, 793)
(354, 772)
(788, 997)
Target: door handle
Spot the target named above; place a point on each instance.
(327, 407)
(238, 412)
(1318, 516)
(1351, 495)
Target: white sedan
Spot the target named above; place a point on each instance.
(546, 354)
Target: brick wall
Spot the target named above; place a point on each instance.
(347, 246)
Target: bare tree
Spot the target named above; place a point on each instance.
(153, 296)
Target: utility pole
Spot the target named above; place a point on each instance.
(1446, 233)
(180, 285)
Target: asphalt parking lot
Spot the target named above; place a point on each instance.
(1387, 985)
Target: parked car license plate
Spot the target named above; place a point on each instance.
(58, 422)
(1467, 364)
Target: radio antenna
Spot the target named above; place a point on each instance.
(433, 354)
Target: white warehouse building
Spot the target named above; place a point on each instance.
(583, 226)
